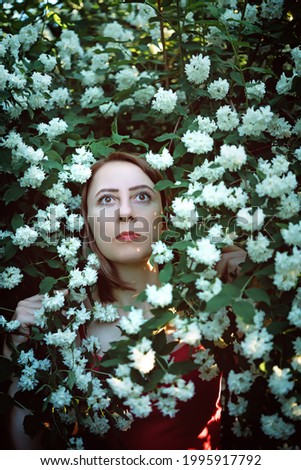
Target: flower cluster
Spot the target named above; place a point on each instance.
(209, 106)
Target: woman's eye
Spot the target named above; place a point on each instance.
(143, 197)
(106, 199)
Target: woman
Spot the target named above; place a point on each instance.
(124, 215)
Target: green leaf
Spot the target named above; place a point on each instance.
(118, 139)
(179, 151)
(71, 379)
(99, 149)
(156, 322)
(218, 302)
(110, 362)
(47, 284)
(182, 368)
(166, 136)
(165, 274)
(138, 143)
(159, 341)
(163, 184)
(10, 251)
(17, 221)
(268, 270)
(258, 295)
(32, 270)
(278, 327)
(54, 263)
(154, 378)
(13, 193)
(244, 310)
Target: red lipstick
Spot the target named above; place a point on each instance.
(128, 236)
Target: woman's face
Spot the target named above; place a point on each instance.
(124, 212)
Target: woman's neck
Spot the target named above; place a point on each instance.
(136, 276)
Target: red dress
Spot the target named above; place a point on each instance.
(196, 425)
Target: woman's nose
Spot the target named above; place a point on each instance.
(125, 211)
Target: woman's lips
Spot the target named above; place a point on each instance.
(128, 236)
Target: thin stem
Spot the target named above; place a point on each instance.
(180, 38)
(165, 58)
(7, 309)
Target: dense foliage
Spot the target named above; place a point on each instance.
(209, 93)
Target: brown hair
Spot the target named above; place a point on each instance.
(108, 278)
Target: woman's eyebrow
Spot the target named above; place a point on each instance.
(114, 190)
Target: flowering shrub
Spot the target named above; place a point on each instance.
(208, 93)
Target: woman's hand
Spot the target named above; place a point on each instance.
(228, 267)
(24, 313)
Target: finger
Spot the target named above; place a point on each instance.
(231, 249)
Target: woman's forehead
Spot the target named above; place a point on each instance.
(121, 174)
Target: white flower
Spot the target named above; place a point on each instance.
(227, 118)
(206, 124)
(105, 313)
(52, 130)
(197, 142)
(108, 109)
(142, 356)
(76, 172)
(294, 318)
(291, 408)
(198, 69)
(68, 248)
(91, 96)
(159, 296)
(207, 289)
(186, 215)
(164, 101)
(126, 78)
(240, 382)
(33, 177)
(124, 387)
(274, 426)
(272, 9)
(250, 222)
(48, 61)
(255, 89)
(254, 122)
(10, 277)
(144, 95)
(62, 339)
(258, 249)
(131, 324)
(140, 406)
(231, 157)
(56, 302)
(287, 269)
(116, 31)
(159, 161)
(161, 253)
(289, 206)
(284, 84)
(218, 89)
(61, 397)
(280, 382)
(239, 408)
(24, 237)
(40, 82)
(204, 252)
(74, 222)
(292, 234)
(257, 343)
